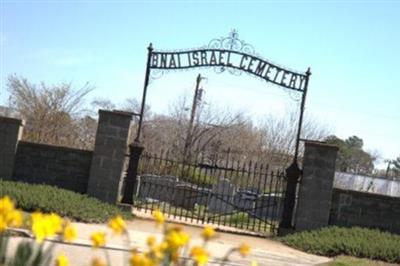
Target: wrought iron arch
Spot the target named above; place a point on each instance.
(235, 56)
(229, 54)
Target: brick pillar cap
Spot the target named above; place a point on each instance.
(117, 112)
(11, 120)
(321, 144)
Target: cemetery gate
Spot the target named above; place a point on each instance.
(245, 195)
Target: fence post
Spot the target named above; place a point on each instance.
(293, 173)
(315, 191)
(136, 150)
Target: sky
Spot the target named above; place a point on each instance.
(352, 48)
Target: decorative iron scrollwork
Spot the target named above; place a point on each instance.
(231, 43)
(156, 74)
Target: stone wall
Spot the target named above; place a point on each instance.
(52, 165)
(97, 173)
(352, 208)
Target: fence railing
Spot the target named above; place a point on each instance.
(245, 195)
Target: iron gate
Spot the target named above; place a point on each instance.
(246, 196)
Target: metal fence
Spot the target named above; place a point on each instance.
(240, 195)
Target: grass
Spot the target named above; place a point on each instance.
(351, 261)
(356, 242)
(240, 220)
(44, 198)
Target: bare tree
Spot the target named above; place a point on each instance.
(220, 131)
(169, 132)
(51, 112)
(103, 103)
(55, 115)
(279, 135)
(85, 131)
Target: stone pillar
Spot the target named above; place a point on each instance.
(315, 192)
(109, 155)
(10, 133)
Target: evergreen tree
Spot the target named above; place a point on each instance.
(351, 156)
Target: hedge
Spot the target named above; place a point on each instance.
(355, 241)
(44, 198)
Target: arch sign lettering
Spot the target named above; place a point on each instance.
(229, 59)
(227, 54)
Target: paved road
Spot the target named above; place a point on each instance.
(264, 251)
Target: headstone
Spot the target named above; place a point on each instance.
(203, 195)
(155, 187)
(244, 200)
(185, 196)
(221, 198)
(269, 206)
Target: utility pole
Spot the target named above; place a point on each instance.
(196, 101)
(388, 167)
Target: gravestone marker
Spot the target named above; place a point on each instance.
(221, 198)
(244, 200)
(157, 187)
(269, 206)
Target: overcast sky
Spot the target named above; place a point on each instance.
(352, 48)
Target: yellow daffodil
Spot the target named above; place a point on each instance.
(38, 226)
(117, 224)
(140, 260)
(200, 255)
(45, 225)
(208, 233)
(9, 216)
(98, 262)
(98, 239)
(6, 205)
(163, 246)
(158, 217)
(62, 260)
(176, 238)
(151, 241)
(14, 218)
(70, 232)
(157, 252)
(55, 222)
(135, 259)
(244, 250)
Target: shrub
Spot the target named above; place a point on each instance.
(356, 241)
(66, 203)
(239, 218)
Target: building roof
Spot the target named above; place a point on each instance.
(374, 185)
